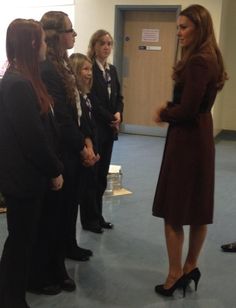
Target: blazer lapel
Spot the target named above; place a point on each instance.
(101, 81)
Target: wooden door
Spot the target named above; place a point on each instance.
(148, 57)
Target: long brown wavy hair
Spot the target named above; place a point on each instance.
(204, 43)
(96, 37)
(53, 23)
(23, 42)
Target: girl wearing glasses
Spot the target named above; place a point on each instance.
(60, 82)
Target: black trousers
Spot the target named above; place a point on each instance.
(70, 199)
(88, 184)
(48, 261)
(105, 152)
(23, 218)
(71, 204)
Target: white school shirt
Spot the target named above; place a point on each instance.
(106, 74)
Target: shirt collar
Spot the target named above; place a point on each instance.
(102, 68)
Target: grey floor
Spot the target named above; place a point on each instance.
(131, 259)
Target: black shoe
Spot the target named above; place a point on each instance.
(68, 285)
(53, 289)
(85, 251)
(79, 254)
(194, 275)
(107, 225)
(93, 229)
(182, 283)
(229, 247)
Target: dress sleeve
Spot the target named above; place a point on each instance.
(196, 79)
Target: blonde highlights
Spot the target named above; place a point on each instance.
(77, 61)
(96, 37)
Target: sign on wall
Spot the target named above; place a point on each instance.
(150, 35)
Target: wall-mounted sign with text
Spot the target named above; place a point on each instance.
(154, 48)
(150, 35)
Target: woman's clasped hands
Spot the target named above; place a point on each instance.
(57, 183)
(89, 158)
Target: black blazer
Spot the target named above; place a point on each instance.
(105, 107)
(87, 122)
(27, 157)
(72, 139)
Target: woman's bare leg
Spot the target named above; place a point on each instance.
(174, 243)
(196, 239)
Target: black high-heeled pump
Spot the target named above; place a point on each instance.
(194, 275)
(181, 283)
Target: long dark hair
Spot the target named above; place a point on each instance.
(204, 42)
(23, 41)
(53, 23)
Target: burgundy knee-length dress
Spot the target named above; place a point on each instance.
(185, 188)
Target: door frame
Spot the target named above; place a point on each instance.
(118, 56)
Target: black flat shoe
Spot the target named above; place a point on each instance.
(229, 247)
(180, 283)
(79, 254)
(68, 285)
(84, 251)
(93, 229)
(107, 225)
(53, 289)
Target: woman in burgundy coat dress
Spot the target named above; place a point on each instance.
(185, 189)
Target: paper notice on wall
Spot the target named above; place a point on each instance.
(150, 35)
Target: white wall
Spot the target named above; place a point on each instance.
(28, 9)
(91, 15)
(228, 46)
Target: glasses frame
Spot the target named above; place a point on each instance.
(67, 31)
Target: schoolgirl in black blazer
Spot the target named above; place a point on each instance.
(60, 82)
(89, 211)
(28, 163)
(108, 107)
